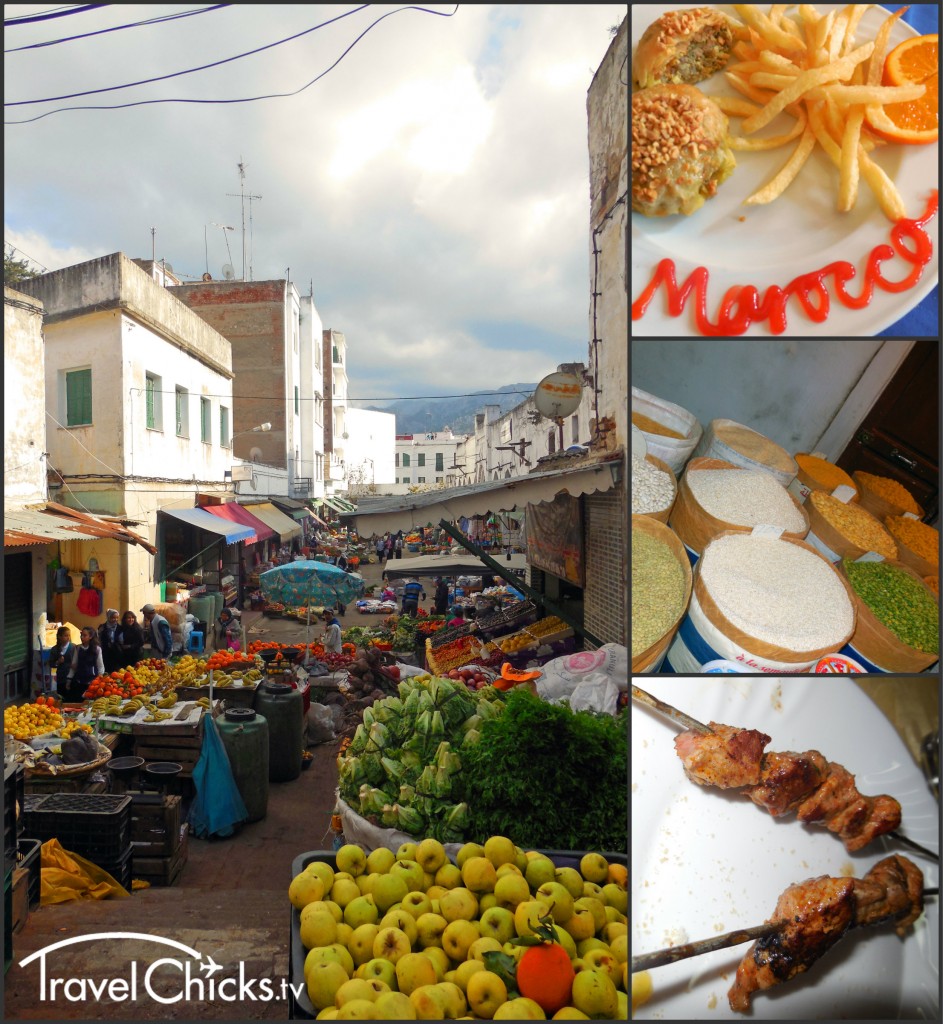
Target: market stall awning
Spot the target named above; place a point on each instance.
(297, 510)
(231, 532)
(285, 528)
(407, 511)
(235, 513)
(338, 504)
(48, 521)
(449, 565)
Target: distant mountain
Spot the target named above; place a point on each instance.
(429, 415)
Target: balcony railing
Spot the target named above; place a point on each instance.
(301, 487)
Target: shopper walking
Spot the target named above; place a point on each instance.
(398, 545)
(130, 639)
(381, 550)
(87, 663)
(412, 591)
(441, 596)
(331, 640)
(107, 637)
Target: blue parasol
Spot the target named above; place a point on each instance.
(309, 582)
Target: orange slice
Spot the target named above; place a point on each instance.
(916, 122)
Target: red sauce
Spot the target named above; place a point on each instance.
(742, 305)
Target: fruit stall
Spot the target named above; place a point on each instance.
(491, 929)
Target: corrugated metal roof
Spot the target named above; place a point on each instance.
(405, 511)
(41, 523)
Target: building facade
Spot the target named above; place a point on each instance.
(370, 451)
(336, 434)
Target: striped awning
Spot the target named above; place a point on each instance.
(235, 513)
(24, 525)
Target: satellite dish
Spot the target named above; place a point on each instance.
(558, 395)
(169, 267)
(228, 272)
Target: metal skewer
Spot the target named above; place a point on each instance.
(671, 955)
(692, 723)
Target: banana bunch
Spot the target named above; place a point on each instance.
(169, 700)
(252, 676)
(131, 707)
(157, 715)
(222, 679)
(105, 706)
(204, 702)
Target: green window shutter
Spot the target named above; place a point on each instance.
(205, 428)
(422, 459)
(78, 397)
(149, 391)
(296, 401)
(224, 426)
(405, 460)
(438, 462)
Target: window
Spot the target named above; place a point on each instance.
(296, 400)
(575, 427)
(183, 412)
(405, 459)
(224, 438)
(407, 479)
(421, 459)
(397, 463)
(397, 479)
(78, 398)
(153, 401)
(206, 429)
(438, 479)
(420, 479)
(439, 464)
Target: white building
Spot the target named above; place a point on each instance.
(139, 407)
(423, 461)
(335, 412)
(370, 451)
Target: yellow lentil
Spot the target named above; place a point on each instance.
(651, 426)
(824, 473)
(923, 540)
(890, 490)
(854, 524)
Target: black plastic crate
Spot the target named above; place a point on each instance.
(95, 826)
(300, 1007)
(30, 855)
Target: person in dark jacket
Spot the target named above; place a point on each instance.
(130, 639)
(107, 638)
(441, 596)
(86, 664)
(62, 657)
(412, 592)
(162, 640)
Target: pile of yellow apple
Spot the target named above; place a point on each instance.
(411, 935)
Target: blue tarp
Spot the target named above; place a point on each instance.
(218, 806)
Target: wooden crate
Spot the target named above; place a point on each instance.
(155, 824)
(179, 743)
(163, 871)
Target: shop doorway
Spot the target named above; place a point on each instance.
(899, 437)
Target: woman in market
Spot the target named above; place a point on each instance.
(62, 656)
(130, 638)
(108, 639)
(87, 663)
(381, 550)
(458, 616)
(441, 596)
(229, 630)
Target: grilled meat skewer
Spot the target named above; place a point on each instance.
(806, 784)
(811, 916)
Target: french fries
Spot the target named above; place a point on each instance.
(811, 67)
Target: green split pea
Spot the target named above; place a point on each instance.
(898, 601)
(657, 590)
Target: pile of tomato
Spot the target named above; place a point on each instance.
(121, 684)
(230, 659)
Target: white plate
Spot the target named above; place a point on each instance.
(797, 233)
(708, 862)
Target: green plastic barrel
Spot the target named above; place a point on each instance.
(245, 735)
(201, 608)
(283, 708)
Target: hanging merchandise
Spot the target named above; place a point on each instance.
(98, 580)
(89, 601)
(92, 562)
(63, 583)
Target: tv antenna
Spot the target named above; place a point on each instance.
(243, 196)
(225, 228)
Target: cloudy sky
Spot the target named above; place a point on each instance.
(432, 187)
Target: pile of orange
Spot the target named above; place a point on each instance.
(916, 122)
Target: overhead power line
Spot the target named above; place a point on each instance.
(245, 99)
(117, 28)
(26, 19)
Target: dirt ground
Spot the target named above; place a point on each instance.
(230, 901)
